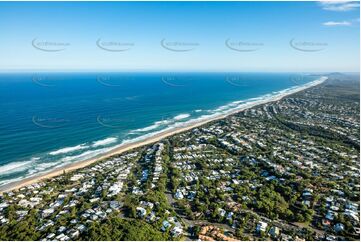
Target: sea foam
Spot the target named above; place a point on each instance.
(17, 166)
(104, 142)
(86, 155)
(151, 127)
(68, 149)
(182, 116)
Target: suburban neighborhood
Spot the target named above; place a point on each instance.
(286, 170)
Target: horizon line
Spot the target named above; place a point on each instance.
(169, 71)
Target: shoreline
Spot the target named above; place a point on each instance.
(149, 140)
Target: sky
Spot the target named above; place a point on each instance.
(180, 36)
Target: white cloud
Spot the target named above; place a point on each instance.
(340, 6)
(335, 23)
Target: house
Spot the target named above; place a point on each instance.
(147, 204)
(62, 237)
(178, 195)
(114, 204)
(334, 208)
(352, 206)
(93, 200)
(74, 233)
(141, 212)
(339, 227)
(261, 227)
(61, 229)
(144, 175)
(221, 212)
(151, 217)
(22, 213)
(23, 203)
(50, 236)
(274, 231)
(192, 195)
(307, 203)
(115, 189)
(307, 194)
(165, 225)
(326, 222)
(286, 237)
(271, 178)
(137, 191)
(3, 205)
(76, 177)
(81, 228)
(329, 199)
(47, 212)
(330, 238)
(176, 231)
(351, 214)
(330, 215)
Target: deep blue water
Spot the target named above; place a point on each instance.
(51, 119)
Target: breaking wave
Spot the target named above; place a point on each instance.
(68, 149)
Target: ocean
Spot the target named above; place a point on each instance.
(48, 120)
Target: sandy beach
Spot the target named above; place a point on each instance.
(157, 137)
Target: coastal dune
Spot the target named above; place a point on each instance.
(149, 140)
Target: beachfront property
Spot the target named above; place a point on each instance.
(284, 170)
(180, 120)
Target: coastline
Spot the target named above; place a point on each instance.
(149, 140)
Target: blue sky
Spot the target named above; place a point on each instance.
(197, 36)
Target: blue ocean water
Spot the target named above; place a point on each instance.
(51, 119)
